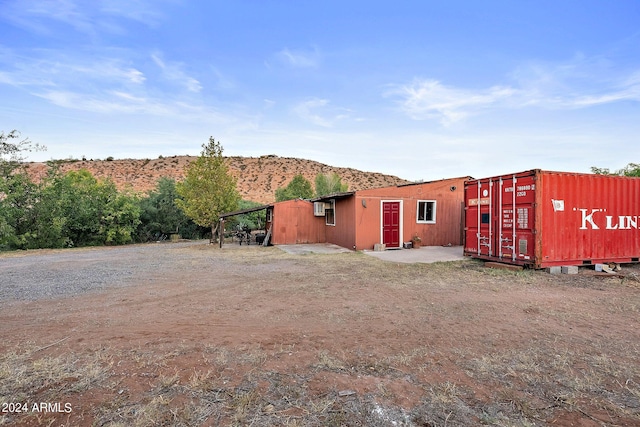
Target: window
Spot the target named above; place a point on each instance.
(329, 213)
(269, 215)
(427, 211)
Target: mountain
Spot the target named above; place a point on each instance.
(258, 177)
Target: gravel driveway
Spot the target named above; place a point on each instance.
(34, 275)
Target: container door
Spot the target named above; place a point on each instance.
(499, 218)
(514, 239)
(478, 217)
(506, 236)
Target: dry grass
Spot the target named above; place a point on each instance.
(527, 388)
(549, 378)
(467, 375)
(26, 373)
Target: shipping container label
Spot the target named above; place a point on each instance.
(522, 218)
(558, 205)
(507, 220)
(595, 219)
(521, 190)
(483, 201)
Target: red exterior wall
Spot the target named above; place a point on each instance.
(343, 233)
(293, 222)
(358, 217)
(543, 218)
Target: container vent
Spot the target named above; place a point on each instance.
(522, 246)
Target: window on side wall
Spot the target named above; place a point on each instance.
(426, 211)
(330, 213)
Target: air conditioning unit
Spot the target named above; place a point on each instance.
(318, 208)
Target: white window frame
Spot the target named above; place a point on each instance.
(331, 209)
(426, 221)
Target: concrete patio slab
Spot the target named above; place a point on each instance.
(425, 254)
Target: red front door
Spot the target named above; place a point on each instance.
(391, 224)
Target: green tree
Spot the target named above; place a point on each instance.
(72, 209)
(120, 219)
(253, 220)
(12, 150)
(81, 201)
(298, 188)
(208, 188)
(329, 184)
(632, 169)
(76, 209)
(18, 194)
(160, 214)
(51, 211)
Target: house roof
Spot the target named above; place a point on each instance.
(342, 195)
(437, 180)
(346, 194)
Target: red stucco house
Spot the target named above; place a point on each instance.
(360, 219)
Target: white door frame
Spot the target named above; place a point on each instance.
(382, 202)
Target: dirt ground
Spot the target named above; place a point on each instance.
(196, 335)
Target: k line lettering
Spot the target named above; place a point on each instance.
(592, 217)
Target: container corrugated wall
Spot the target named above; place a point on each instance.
(543, 218)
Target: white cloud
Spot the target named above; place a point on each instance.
(79, 101)
(120, 102)
(306, 111)
(54, 68)
(268, 103)
(580, 83)
(626, 90)
(430, 99)
(87, 17)
(222, 81)
(319, 112)
(129, 97)
(145, 12)
(33, 14)
(299, 58)
(107, 85)
(173, 72)
(135, 76)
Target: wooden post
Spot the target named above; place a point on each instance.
(221, 231)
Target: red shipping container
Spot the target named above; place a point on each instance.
(541, 219)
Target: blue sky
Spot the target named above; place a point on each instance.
(418, 89)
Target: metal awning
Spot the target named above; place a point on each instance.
(245, 211)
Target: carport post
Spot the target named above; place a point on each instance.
(221, 232)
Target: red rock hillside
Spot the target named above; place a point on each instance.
(258, 177)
